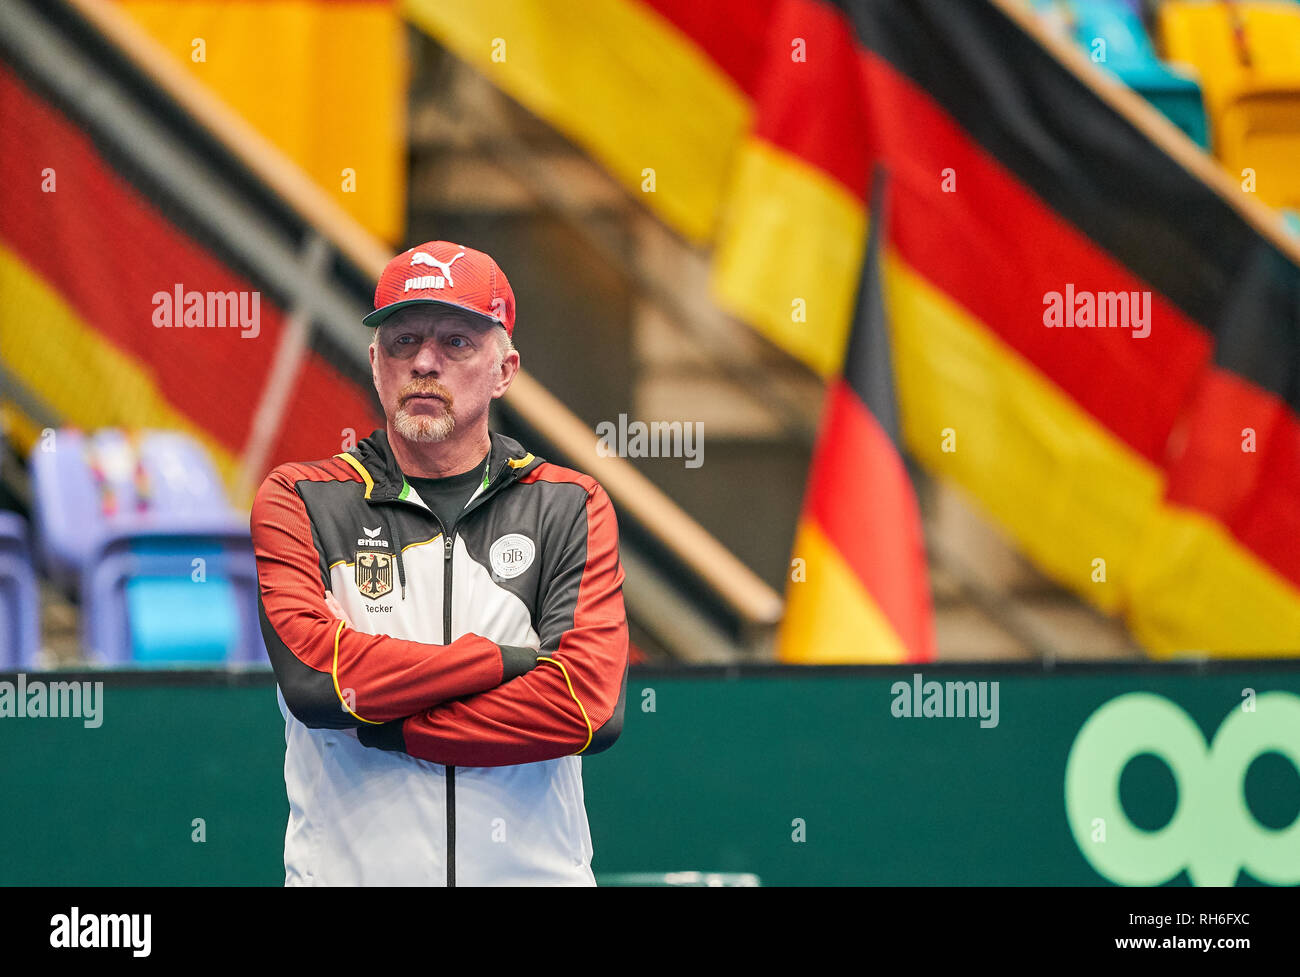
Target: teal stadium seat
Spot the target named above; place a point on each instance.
(172, 620)
(1112, 35)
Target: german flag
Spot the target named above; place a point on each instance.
(1154, 469)
(860, 591)
(90, 251)
(1156, 473)
(325, 81)
(659, 92)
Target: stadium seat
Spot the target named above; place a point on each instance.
(1113, 29)
(140, 527)
(19, 598)
(1248, 58)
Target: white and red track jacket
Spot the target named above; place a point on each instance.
(437, 737)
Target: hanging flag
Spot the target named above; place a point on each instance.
(859, 588)
(107, 271)
(325, 81)
(1152, 466)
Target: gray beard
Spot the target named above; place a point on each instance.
(422, 428)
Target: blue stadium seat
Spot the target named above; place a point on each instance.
(140, 527)
(19, 598)
(1112, 34)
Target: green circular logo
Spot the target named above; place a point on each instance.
(1212, 833)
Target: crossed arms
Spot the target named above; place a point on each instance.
(472, 702)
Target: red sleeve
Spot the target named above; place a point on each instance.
(572, 703)
(330, 675)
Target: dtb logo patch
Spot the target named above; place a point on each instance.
(511, 555)
(374, 574)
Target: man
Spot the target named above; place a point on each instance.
(444, 614)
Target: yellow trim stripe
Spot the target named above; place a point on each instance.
(361, 470)
(348, 563)
(519, 462)
(338, 633)
(425, 542)
(565, 672)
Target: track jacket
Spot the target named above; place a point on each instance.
(437, 739)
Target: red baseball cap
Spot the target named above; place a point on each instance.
(442, 273)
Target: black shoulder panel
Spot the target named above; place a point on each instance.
(541, 512)
(612, 728)
(309, 694)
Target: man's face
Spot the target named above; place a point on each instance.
(437, 370)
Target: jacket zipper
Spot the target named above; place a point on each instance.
(447, 547)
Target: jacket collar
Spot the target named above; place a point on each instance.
(373, 459)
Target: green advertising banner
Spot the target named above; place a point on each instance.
(888, 776)
(1078, 775)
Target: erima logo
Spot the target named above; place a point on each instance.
(371, 540)
(432, 281)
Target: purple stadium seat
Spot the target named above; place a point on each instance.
(19, 599)
(140, 527)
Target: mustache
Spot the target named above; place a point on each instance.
(424, 388)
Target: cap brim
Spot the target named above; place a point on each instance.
(380, 315)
